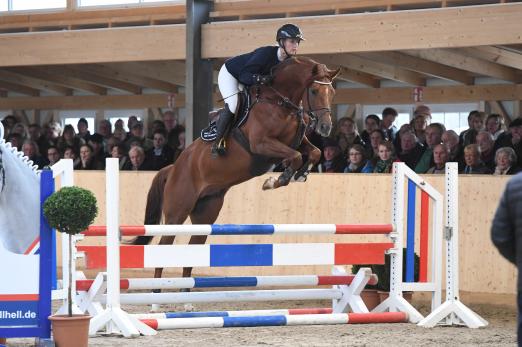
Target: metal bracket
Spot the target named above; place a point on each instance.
(448, 233)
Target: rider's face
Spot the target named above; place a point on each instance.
(291, 46)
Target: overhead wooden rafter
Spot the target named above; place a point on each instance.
(462, 61)
(121, 72)
(97, 79)
(9, 76)
(62, 80)
(431, 95)
(499, 55)
(355, 62)
(421, 65)
(18, 88)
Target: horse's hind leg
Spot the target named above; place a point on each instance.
(179, 200)
(206, 211)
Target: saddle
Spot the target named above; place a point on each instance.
(245, 103)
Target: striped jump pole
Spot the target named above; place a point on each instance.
(242, 313)
(276, 320)
(245, 229)
(219, 255)
(243, 281)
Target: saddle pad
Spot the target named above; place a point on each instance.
(209, 134)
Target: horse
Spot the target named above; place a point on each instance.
(196, 184)
(19, 200)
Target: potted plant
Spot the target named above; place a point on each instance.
(383, 273)
(70, 210)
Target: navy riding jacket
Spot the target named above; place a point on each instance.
(243, 67)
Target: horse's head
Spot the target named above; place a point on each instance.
(318, 97)
(303, 79)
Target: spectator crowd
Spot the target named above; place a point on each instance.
(135, 151)
(486, 147)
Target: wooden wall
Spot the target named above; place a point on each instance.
(333, 198)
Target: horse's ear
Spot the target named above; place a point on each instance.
(334, 73)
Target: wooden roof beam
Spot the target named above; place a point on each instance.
(495, 54)
(465, 62)
(89, 101)
(13, 77)
(93, 46)
(359, 77)
(374, 32)
(358, 63)
(422, 66)
(127, 74)
(58, 79)
(431, 95)
(77, 72)
(18, 88)
(171, 71)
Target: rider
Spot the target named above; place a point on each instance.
(249, 69)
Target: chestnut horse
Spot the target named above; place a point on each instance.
(196, 184)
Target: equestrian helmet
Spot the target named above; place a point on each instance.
(289, 31)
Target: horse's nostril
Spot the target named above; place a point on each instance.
(325, 129)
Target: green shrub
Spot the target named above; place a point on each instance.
(383, 271)
(70, 210)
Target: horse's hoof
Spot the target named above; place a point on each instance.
(301, 178)
(188, 307)
(269, 183)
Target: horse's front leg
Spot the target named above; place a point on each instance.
(273, 148)
(314, 156)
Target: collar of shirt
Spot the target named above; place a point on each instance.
(280, 54)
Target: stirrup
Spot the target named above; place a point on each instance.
(219, 148)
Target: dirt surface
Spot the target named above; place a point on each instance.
(500, 332)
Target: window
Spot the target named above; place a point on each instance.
(74, 123)
(457, 121)
(453, 116)
(114, 115)
(18, 5)
(402, 110)
(115, 2)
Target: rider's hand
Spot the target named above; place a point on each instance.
(263, 79)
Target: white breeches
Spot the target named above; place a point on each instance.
(229, 87)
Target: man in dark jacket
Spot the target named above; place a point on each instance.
(506, 234)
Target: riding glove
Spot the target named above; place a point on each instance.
(263, 79)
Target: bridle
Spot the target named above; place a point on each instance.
(286, 102)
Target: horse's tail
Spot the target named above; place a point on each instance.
(154, 208)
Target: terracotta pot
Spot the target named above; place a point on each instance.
(406, 295)
(71, 331)
(371, 298)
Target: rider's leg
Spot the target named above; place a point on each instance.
(229, 87)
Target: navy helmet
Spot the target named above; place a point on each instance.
(289, 31)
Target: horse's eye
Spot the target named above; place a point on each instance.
(315, 91)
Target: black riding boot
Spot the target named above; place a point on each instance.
(223, 124)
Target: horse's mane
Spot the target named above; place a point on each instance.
(301, 61)
(24, 160)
